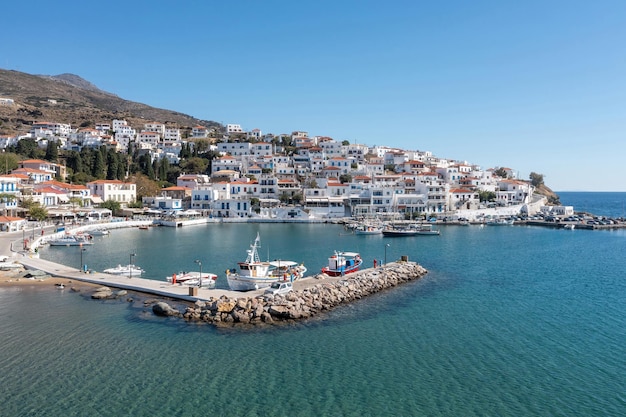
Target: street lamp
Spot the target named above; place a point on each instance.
(81, 258)
(199, 279)
(386, 246)
(130, 266)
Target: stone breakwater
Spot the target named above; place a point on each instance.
(301, 304)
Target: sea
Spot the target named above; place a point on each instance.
(509, 321)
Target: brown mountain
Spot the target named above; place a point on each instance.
(68, 98)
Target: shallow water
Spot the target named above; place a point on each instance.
(510, 321)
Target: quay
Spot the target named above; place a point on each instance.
(164, 288)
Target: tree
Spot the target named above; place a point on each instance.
(536, 179)
(112, 205)
(98, 166)
(500, 172)
(145, 186)
(194, 165)
(390, 167)
(8, 162)
(164, 167)
(345, 142)
(345, 178)
(486, 196)
(112, 166)
(75, 202)
(75, 162)
(52, 151)
(37, 212)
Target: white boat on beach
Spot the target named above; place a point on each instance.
(7, 264)
(126, 270)
(192, 279)
(254, 274)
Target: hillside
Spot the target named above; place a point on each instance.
(553, 198)
(78, 102)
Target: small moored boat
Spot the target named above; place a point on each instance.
(342, 263)
(71, 240)
(193, 279)
(126, 270)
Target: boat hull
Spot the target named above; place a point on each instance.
(241, 283)
(344, 270)
(69, 243)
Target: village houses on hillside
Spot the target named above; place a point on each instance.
(255, 178)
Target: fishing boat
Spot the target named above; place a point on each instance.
(99, 232)
(192, 278)
(127, 270)
(253, 274)
(410, 229)
(427, 229)
(368, 229)
(500, 222)
(71, 240)
(342, 263)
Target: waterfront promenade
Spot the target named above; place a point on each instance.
(10, 242)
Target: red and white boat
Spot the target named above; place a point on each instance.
(193, 279)
(342, 263)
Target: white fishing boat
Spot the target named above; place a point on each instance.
(71, 240)
(99, 232)
(368, 229)
(253, 274)
(126, 270)
(500, 222)
(427, 229)
(192, 278)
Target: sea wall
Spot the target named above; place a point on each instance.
(301, 304)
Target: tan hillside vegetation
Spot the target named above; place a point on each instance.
(68, 98)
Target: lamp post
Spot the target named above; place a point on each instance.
(81, 258)
(130, 266)
(386, 246)
(199, 279)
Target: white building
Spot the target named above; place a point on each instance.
(122, 192)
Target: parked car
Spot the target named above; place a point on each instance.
(279, 288)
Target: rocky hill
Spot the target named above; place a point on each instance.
(68, 98)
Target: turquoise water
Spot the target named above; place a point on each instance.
(510, 321)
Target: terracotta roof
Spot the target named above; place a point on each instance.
(9, 219)
(176, 188)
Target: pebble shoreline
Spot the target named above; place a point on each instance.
(295, 305)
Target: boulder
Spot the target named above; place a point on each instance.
(163, 309)
(225, 306)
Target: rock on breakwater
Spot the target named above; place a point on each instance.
(304, 303)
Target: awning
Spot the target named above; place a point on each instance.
(96, 199)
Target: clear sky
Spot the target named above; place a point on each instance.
(536, 86)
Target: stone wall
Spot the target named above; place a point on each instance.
(301, 304)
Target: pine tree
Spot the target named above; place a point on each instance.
(98, 166)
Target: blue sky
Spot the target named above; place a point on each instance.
(536, 86)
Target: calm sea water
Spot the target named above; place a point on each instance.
(510, 321)
(610, 204)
